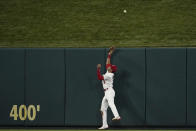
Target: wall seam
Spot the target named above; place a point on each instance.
(65, 86)
(186, 86)
(145, 123)
(25, 75)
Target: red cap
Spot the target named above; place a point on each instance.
(114, 68)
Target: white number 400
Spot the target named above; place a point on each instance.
(24, 112)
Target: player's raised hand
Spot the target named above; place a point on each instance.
(98, 66)
(111, 50)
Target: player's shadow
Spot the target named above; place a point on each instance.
(124, 102)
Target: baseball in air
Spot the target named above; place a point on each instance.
(125, 11)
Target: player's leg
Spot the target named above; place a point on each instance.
(113, 107)
(110, 99)
(104, 107)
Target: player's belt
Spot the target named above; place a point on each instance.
(105, 89)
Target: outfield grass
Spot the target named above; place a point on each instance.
(97, 23)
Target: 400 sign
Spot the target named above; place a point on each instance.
(24, 112)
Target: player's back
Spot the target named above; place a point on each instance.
(108, 80)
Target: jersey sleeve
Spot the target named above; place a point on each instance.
(100, 77)
(108, 65)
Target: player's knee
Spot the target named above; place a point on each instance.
(103, 109)
(111, 104)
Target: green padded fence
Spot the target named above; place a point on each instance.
(59, 87)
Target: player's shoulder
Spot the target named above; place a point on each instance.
(109, 74)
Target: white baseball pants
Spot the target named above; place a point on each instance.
(108, 100)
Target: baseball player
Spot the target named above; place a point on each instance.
(108, 99)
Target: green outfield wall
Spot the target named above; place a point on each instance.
(59, 86)
(166, 86)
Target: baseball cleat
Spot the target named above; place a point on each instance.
(116, 118)
(103, 127)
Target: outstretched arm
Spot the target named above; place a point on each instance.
(111, 50)
(108, 61)
(100, 77)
